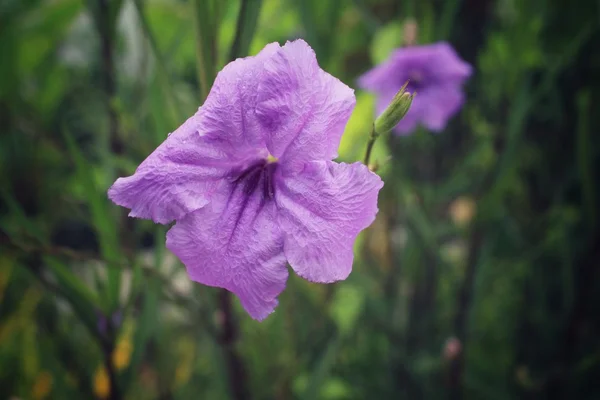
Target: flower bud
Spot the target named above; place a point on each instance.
(410, 31)
(395, 111)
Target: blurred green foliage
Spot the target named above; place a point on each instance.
(479, 278)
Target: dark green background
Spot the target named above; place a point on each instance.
(89, 88)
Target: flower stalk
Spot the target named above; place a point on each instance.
(372, 138)
(227, 339)
(389, 118)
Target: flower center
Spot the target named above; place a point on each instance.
(258, 177)
(416, 81)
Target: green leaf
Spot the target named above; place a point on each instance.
(336, 388)
(145, 327)
(320, 21)
(102, 220)
(356, 135)
(287, 22)
(385, 40)
(43, 29)
(162, 73)
(18, 214)
(70, 280)
(346, 307)
(447, 18)
(322, 370)
(83, 308)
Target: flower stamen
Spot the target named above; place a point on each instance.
(252, 177)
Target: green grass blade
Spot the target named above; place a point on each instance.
(145, 328)
(246, 26)
(102, 220)
(70, 280)
(205, 46)
(83, 309)
(162, 74)
(448, 16)
(322, 370)
(585, 157)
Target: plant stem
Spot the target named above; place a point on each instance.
(372, 138)
(227, 339)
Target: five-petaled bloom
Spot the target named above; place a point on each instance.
(250, 182)
(434, 71)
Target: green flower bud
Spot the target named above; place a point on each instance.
(395, 111)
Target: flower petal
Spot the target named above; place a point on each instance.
(234, 243)
(321, 212)
(229, 111)
(303, 109)
(177, 178)
(180, 176)
(434, 64)
(443, 102)
(385, 77)
(437, 62)
(432, 107)
(448, 64)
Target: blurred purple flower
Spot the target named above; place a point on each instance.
(435, 72)
(250, 182)
(116, 319)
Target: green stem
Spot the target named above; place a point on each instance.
(372, 138)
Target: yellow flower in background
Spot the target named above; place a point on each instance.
(42, 386)
(182, 374)
(121, 356)
(101, 383)
(462, 210)
(6, 266)
(187, 351)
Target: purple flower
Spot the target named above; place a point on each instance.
(102, 324)
(250, 182)
(435, 72)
